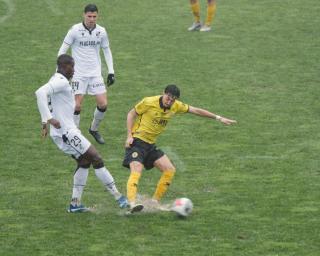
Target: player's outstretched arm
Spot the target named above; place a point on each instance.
(206, 113)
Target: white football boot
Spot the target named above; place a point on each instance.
(205, 28)
(195, 26)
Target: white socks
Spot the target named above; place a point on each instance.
(106, 178)
(97, 118)
(79, 181)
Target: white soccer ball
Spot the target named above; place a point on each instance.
(182, 206)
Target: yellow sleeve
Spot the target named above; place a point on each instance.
(141, 107)
(182, 107)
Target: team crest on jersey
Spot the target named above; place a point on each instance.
(134, 154)
(98, 33)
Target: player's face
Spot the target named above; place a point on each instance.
(69, 70)
(168, 100)
(90, 19)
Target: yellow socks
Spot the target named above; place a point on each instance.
(196, 11)
(163, 184)
(132, 186)
(211, 10)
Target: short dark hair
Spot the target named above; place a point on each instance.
(173, 90)
(90, 8)
(64, 59)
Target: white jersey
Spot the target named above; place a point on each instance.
(56, 100)
(85, 45)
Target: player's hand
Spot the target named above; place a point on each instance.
(55, 123)
(110, 79)
(226, 120)
(129, 141)
(44, 130)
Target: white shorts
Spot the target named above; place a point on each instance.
(72, 143)
(88, 85)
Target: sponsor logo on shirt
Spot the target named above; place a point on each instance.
(160, 122)
(89, 43)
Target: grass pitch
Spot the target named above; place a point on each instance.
(255, 186)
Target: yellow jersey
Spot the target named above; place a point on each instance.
(153, 117)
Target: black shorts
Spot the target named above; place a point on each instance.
(142, 152)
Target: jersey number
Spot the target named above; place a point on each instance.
(75, 85)
(75, 141)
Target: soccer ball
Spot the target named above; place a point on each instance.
(182, 206)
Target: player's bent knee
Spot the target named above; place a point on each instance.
(164, 164)
(84, 165)
(77, 109)
(97, 161)
(136, 166)
(102, 108)
(168, 168)
(83, 162)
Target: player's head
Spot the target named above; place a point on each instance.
(90, 15)
(65, 65)
(171, 93)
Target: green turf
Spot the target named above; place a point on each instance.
(255, 186)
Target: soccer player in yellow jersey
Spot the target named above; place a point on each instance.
(211, 11)
(145, 122)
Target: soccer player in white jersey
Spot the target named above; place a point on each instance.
(58, 112)
(86, 39)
